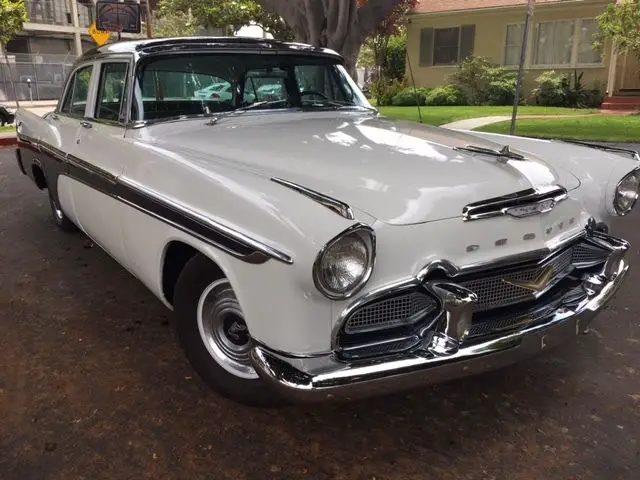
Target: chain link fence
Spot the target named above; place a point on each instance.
(36, 77)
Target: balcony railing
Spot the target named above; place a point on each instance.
(58, 12)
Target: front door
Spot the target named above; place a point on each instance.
(99, 157)
(630, 81)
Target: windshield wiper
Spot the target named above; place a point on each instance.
(337, 105)
(504, 152)
(609, 148)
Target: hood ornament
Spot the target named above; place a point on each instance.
(503, 154)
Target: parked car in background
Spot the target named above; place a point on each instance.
(310, 248)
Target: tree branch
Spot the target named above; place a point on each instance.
(372, 13)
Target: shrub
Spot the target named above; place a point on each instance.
(407, 97)
(501, 92)
(557, 90)
(594, 97)
(384, 90)
(485, 83)
(551, 90)
(447, 95)
(395, 59)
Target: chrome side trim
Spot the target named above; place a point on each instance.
(533, 201)
(331, 203)
(222, 229)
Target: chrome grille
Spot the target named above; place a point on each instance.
(494, 292)
(391, 312)
(586, 254)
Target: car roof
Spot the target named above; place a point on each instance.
(158, 45)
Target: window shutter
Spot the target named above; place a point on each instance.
(467, 41)
(426, 47)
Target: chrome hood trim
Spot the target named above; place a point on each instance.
(341, 208)
(533, 201)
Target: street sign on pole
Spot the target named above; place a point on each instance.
(523, 56)
(116, 16)
(99, 36)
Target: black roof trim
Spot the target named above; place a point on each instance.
(140, 47)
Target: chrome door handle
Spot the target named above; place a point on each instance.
(86, 124)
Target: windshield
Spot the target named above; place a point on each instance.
(170, 86)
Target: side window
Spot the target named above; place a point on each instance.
(76, 98)
(111, 91)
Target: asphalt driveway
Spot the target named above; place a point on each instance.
(93, 385)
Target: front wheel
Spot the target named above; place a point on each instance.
(214, 335)
(62, 221)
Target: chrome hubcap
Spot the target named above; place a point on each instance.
(223, 329)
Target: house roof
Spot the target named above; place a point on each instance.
(439, 6)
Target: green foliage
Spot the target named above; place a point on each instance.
(410, 97)
(448, 95)
(502, 92)
(485, 83)
(13, 14)
(550, 89)
(558, 90)
(620, 24)
(228, 15)
(384, 90)
(395, 59)
(174, 24)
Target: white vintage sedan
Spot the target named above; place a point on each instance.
(312, 249)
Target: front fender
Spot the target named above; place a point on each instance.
(281, 304)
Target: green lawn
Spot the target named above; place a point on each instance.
(605, 128)
(442, 115)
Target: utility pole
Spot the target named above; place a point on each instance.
(523, 57)
(148, 15)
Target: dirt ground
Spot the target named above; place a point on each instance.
(93, 386)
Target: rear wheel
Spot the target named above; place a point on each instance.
(62, 221)
(214, 335)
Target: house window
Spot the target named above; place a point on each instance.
(554, 43)
(446, 46)
(566, 43)
(586, 54)
(513, 45)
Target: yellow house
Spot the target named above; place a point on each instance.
(441, 33)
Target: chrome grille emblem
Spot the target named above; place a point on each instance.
(538, 208)
(537, 285)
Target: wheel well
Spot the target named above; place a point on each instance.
(177, 254)
(38, 177)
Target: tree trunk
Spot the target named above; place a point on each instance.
(336, 24)
(13, 85)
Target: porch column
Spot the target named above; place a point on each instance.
(613, 66)
(76, 27)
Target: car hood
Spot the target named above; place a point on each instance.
(398, 172)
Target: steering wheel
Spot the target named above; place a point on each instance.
(313, 92)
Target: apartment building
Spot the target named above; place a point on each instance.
(39, 58)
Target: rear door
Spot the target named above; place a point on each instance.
(60, 138)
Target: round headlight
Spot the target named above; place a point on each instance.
(345, 264)
(627, 193)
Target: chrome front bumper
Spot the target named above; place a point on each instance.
(325, 377)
